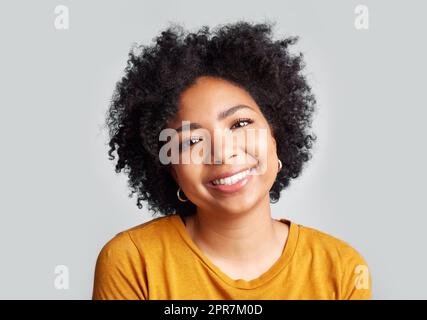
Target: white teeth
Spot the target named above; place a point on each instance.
(233, 179)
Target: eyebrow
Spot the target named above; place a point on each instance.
(221, 116)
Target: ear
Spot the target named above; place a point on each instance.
(173, 173)
(273, 139)
(270, 127)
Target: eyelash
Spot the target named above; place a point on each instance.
(248, 120)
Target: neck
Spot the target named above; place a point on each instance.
(236, 238)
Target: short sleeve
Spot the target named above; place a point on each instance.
(119, 271)
(356, 276)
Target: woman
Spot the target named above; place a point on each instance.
(216, 238)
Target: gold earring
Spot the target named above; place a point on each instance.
(280, 165)
(179, 197)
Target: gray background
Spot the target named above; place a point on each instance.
(61, 199)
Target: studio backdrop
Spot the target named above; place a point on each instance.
(61, 199)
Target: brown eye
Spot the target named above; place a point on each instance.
(242, 122)
(190, 142)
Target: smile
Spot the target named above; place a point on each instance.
(234, 183)
(234, 178)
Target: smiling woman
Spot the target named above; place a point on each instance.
(216, 238)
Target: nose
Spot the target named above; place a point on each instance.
(224, 147)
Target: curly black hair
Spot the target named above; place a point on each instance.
(146, 99)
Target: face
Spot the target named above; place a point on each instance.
(221, 112)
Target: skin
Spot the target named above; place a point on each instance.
(235, 231)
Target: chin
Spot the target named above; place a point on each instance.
(236, 205)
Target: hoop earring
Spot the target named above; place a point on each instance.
(280, 165)
(179, 197)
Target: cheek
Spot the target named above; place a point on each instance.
(188, 175)
(265, 153)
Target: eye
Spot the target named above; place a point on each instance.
(240, 121)
(190, 142)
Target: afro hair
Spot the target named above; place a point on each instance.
(146, 99)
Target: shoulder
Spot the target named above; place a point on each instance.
(121, 266)
(327, 244)
(132, 240)
(338, 257)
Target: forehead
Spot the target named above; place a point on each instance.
(209, 95)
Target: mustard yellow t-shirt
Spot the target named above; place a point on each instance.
(159, 260)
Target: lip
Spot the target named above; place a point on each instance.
(229, 189)
(230, 173)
